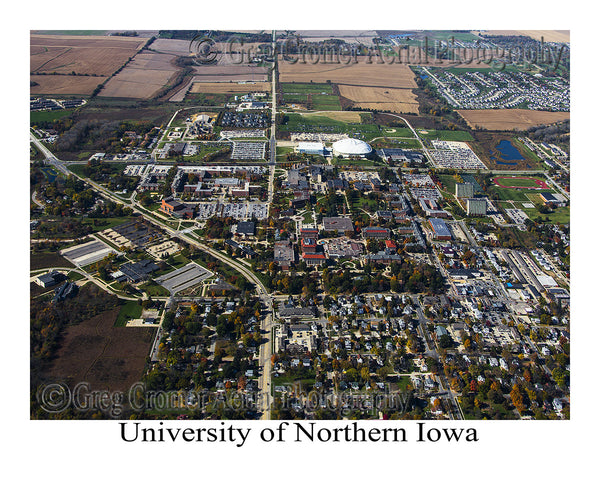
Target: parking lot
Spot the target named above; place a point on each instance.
(88, 253)
(184, 277)
(239, 211)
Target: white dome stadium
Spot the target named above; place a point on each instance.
(350, 147)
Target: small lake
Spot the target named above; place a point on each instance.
(509, 155)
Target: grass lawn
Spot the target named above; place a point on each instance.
(449, 182)
(397, 132)
(354, 161)
(128, 311)
(308, 217)
(75, 276)
(154, 289)
(99, 224)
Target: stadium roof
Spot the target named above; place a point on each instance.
(351, 146)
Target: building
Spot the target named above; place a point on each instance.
(139, 271)
(308, 245)
(66, 290)
(383, 257)
(340, 224)
(376, 232)
(247, 229)
(309, 233)
(170, 206)
(553, 199)
(440, 229)
(301, 198)
(464, 190)
(49, 279)
(351, 147)
(476, 206)
(284, 254)
(400, 155)
(244, 250)
(314, 258)
(310, 148)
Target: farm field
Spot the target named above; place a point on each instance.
(87, 55)
(216, 87)
(258, 73)
(106, 356)
(64, 84)
(549, 35)
(376, 75)
(136, 83)
(510, 119)
(400, 100)
(307, 88)
(342, 116)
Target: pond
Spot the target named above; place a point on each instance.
(509, 155)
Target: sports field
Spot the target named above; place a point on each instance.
(529, 183)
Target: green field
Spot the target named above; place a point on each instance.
(447, 135)
(518, 194)
(397, 132)
(295, 97)
(128, 311)
(296, 122)
(325, 102)
(307, 88)
(47, 116)
(449, 182)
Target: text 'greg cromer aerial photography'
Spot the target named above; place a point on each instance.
(294, 225)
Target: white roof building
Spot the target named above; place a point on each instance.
(350, 147)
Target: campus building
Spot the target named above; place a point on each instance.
(440, 229)
(464, 190)
(476, 206)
